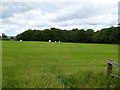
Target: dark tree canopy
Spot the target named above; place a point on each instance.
(106, 35)
(4, 37)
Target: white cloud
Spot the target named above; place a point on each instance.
(96, 14)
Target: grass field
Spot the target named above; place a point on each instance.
(56, 65)
(0, 64)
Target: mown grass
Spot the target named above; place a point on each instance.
(57, 65)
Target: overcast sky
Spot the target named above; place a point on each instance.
(16, 17)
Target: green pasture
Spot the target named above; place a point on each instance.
(0, 64)
(56, 65)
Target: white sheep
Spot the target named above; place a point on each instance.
(49, 41)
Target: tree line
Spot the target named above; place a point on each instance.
(106, 35)
(5, 37)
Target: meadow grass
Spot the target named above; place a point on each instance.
(56, 65)
(0, 64)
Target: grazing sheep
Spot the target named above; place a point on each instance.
(49, 41)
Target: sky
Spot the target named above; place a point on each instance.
(18, 16)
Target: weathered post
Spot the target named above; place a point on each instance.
(109, 67)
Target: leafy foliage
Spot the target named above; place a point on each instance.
(106, 35)
(4, 37)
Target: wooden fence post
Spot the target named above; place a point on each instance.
(109, 67)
